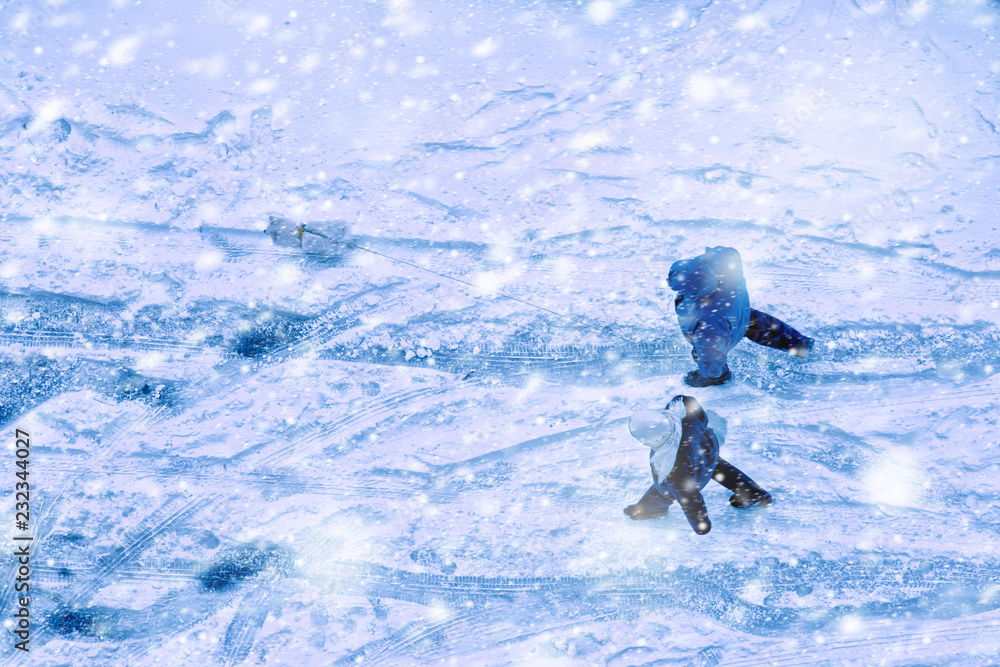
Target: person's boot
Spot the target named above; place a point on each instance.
(803, 349)
(696, 379)
(638, 512)
(755, 499)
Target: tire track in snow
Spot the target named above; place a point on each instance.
(894, 575)
(926, 645)
(901, 578)
(329, 486)
(884, 355)
(219, 583)
(246, 623)
(369, 414)
(90, 343)
(339, 318)
(168, 516)
(602, 365)
(895, 289)
(44, 522)
(916, 397)
(862, 352)
(500, 610)
(399, 640)
(304, 333)
(712, 593)
(128, 633)
(254, 464)
(135, 541)
(253, 611)
(65, 571)
(463, 634)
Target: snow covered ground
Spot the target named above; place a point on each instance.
(247, 451)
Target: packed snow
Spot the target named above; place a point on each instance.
(327, 320)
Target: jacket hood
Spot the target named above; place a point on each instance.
(693, 278)
(656, 428)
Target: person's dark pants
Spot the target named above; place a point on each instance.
(654, 503)
(736, 481)
(769, 331)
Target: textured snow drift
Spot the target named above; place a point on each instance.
(336, 444)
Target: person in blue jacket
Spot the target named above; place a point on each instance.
(713, 309)
(683, 457)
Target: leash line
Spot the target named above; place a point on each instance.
(572, 318)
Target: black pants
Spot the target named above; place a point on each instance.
(725, 474)
(769, 331)
(736, 480)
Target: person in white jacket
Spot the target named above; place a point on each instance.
(683, 457)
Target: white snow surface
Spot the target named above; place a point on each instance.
(409, 444)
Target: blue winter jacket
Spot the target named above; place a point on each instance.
(712, 305)
(697, 456)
